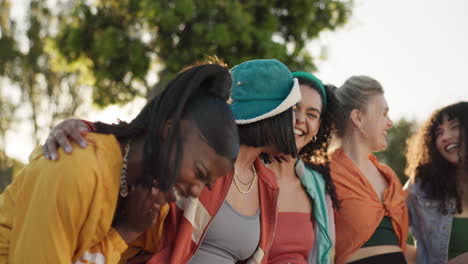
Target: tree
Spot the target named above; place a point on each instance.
(394, 155)
(66, 50)
(49, 89)
(124, 39)
(8, 168)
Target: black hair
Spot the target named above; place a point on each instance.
(198, 94)
(315, 153)
(437, 176)
(313, 85)
(276, 131)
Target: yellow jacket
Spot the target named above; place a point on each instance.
(62, 211)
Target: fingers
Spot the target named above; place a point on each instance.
(50, 148)
(62, 140)
(155, 207)
(144, 198)
(77, 131)
(70, 129)
(165, 197)
(141, 211)
(144, 202)
(150, 202)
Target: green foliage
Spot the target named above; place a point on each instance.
(27, 62)
(394, 155)
(8, 168)
(109, 47)
(124, 38)
(105, 38)
(6, 44)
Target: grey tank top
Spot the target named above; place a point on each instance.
(230, 237)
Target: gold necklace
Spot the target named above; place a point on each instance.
(252, 181)
(249, 181)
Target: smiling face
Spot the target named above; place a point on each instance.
(307, 116)
(200, 166)
(448, 140)
(376, 123)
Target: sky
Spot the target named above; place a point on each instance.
(417, 50)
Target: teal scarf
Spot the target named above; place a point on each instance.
(315, 187)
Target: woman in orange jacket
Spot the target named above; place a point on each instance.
(305, 231)
(372, 223)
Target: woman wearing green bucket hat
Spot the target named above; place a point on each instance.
(307, 193)
(234, 220)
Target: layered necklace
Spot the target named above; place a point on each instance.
(249, 183)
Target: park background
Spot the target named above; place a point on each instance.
(100, 60)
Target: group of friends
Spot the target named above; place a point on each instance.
(256, 164)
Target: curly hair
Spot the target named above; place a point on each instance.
(315, 153)
(426, 165)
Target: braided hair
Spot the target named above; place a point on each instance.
(198, 94)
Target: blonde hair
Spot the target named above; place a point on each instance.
(355, 93)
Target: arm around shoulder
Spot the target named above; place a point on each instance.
(55, 209)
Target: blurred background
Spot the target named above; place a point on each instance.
(101, 60)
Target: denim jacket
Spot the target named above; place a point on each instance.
(323, 251)
(430, 227)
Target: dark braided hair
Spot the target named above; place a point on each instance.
(315, 153)
(197, 94)
(437, 176)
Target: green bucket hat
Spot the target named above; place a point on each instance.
(316, 81)
(262, 89)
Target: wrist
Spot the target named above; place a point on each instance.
(89, 124)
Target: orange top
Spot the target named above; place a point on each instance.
(361, 209)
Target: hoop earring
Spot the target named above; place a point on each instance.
(314, 138)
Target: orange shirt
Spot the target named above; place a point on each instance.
(361, 209)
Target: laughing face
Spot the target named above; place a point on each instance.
(377, 123)
(307, 116)
(199, 167)
(448, 140)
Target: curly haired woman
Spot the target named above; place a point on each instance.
(305, 231)
(372, 223)
(438, 187)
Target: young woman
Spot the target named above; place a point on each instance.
(438, 186)
(372, 223)
(306, 189)
(235, 219)
(87, 206)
